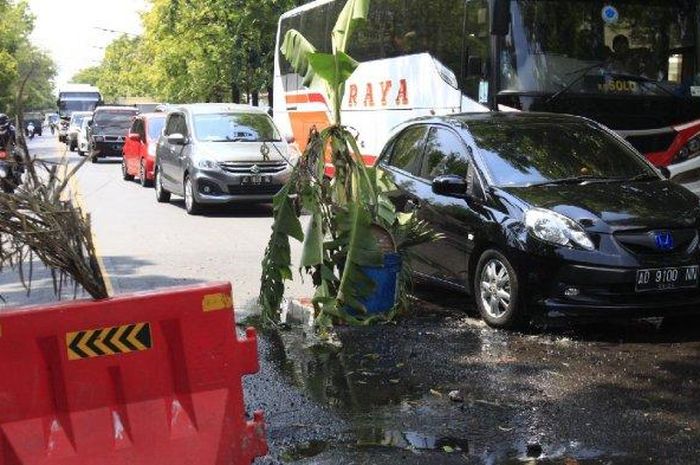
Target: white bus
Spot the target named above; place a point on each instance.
(77, 97)
(404, 72)
(629, 64)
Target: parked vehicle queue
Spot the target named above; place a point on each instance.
(541, 213)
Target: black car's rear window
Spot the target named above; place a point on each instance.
(114, 118)
(520, 153)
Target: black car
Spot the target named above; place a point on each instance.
(108, 130)
(546, 212)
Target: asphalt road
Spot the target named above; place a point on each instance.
(146, 245)
(610, 393)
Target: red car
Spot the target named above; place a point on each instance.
(140, 147)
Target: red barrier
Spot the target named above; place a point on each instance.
(144, 379)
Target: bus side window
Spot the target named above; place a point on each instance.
(476, 47)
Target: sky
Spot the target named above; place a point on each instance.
(71, 30)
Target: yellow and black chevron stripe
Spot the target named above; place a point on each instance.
(108, 341)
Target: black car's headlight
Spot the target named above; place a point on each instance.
(98, 138)
(554, 228)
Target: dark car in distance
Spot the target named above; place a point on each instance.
(108, 130)
(544, 212)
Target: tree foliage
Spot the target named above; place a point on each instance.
(194, 50)
(88, 75)
(22, 62)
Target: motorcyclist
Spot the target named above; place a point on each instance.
(30, 130)
(8, 144)
(7, 134)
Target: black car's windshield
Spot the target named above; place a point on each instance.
(625, 47)
(235, 127)
(120, 119)
(518, 152)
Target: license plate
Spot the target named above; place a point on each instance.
(256, 179)
(664, 279)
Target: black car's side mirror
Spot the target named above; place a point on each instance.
(177, 139)
(89, 123)
(450, 185)
(665, 172)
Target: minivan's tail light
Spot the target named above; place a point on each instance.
(691, 149)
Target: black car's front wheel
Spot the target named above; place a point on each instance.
(497, 291)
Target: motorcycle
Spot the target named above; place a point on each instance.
(10, 172)
(30, 130)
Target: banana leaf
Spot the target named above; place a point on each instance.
(354, 12)
(277, 262)
(355, 223)
(296, 49)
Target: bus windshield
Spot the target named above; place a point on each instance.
(70, 106)
(621, 47)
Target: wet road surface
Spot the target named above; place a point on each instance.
(583, 394)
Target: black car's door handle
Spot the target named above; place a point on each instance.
(411, 206)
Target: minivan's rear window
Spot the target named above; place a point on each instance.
(520, 153)
(235, 127)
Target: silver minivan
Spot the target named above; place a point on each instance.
(212, 153)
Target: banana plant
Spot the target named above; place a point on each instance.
(350, 214)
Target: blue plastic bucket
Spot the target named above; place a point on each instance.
(386, 280)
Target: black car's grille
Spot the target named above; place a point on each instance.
(262, 189)
(652, 143)
(112, 138)
(644, 242)
(253, 167)
(625, 294)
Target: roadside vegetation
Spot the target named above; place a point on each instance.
(194, 51)
(22, 65)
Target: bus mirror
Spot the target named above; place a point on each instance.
(500, 17)
(474, 66)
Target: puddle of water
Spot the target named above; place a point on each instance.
(353, 383)
(304, 451)
(410, 440)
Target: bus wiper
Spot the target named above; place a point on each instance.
(581, 73)
(571, 180)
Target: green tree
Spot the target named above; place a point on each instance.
(195, 50)
(123, 72)
(22, 65)
(88, 75)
